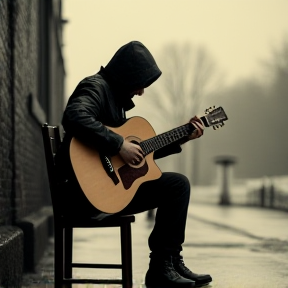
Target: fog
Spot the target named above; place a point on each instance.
(240, 37)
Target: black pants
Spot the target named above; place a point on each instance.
(170, 194)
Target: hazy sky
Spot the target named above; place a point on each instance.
(237, 33)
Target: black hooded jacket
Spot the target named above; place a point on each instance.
(103, 98)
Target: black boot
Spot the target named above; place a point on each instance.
(200, 279)
(161, 274)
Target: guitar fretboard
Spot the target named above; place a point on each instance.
(164, 139)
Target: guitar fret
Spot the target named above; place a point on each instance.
(150, 145)
(158, 143)
(144, 147)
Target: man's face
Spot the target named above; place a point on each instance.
(138, 92)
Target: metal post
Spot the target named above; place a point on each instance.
(225, 162)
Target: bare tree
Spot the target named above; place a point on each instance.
(277, 64)
(188, 75)
(276, 68)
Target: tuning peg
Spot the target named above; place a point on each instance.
(211, 108)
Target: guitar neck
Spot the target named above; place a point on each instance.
(159, 141)
(214, 117)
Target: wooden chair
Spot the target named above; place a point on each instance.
(63, 229)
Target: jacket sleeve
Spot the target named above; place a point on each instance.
(81, 120)
(167, 150)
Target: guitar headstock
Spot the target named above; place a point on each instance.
(214, 117)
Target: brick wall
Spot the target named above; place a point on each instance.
(30, 170)
(6, 116)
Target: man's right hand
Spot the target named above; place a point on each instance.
(131, 153)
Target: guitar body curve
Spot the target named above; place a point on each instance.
(98, 187)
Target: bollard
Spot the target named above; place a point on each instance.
(271, 195)
(225, 162)
(265, 193)
(262, 195)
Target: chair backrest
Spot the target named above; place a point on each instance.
(52, 141)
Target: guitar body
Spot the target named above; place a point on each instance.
(97, 186)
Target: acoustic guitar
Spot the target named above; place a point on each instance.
(108, 182)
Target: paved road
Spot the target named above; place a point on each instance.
(240, 247)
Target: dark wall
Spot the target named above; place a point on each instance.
(29, 45)
(28, 152)
(6, 116)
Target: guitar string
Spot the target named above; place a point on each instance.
(164, 139)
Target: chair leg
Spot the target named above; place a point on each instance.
(58, 256)
(68, 251)
(126, 255)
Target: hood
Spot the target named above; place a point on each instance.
(132, 67)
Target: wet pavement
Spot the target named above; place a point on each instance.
(241, 247)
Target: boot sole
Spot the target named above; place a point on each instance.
(156, 286)
(169, 287)
(202, 285)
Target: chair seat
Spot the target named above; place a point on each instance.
(110, 221)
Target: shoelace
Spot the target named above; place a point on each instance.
(170, 269)
(182, 266)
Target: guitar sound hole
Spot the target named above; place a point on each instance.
(135, 142)
(138, 162)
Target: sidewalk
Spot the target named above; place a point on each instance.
(254, 221)
(258, 223)
(240, 247)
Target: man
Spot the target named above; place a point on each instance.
(100, 101)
